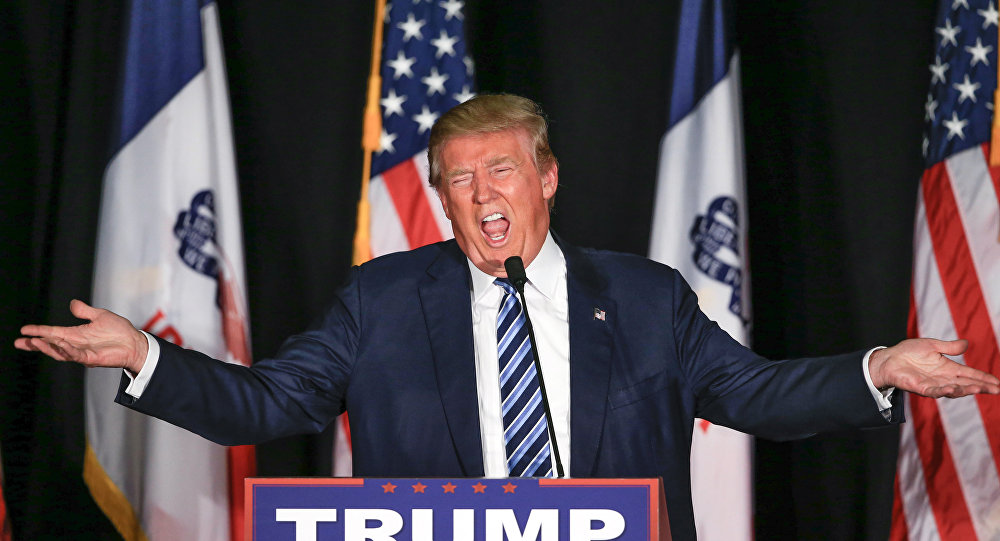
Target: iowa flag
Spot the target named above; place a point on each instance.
(421, 72)
(170, 259)
(700, 228)
(947, 480)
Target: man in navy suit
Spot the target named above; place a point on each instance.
(409, 345)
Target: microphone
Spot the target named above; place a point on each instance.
(515, 273)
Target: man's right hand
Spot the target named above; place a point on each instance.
(109, 340)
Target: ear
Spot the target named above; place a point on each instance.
(550, 181)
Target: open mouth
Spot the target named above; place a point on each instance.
(495, 227)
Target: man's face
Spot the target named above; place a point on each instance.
(496, 199)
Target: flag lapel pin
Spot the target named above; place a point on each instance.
(600, 314)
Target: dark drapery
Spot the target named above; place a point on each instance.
(833, 95)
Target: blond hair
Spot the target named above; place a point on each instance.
(491, 113)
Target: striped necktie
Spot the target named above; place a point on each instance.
(526, 434)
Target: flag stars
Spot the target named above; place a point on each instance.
(956, 126)
(452, 8)
(956, 3)
(948, 33)
(990, 16)
(402, 66)
(385, 142)
(930, 108)
(465, 95)
(411, 27)
(937, 70)
(445, 44)
(393, 104)
(470, 66)
(435, 81)
(979, 52)
(426, 119)
(967, 90)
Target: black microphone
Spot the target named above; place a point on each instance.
(517, 277)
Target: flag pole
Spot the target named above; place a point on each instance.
(370, 140)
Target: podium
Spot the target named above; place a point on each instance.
(462, 509)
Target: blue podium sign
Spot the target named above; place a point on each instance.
(347, 509)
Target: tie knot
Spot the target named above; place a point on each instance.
(505, 284)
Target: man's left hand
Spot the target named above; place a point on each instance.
(920, 366)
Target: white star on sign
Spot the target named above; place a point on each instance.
(453, 8)
(385, 142)
(445, 44)
(979, 52)
(955, 126)
(937, 70)
(948, 32)
(435, 81)
(990, 16)
(930, 107)
(967, 90)
(426, 119)
(393, 103)
(401, 65)
(465, 95)
(411, 27)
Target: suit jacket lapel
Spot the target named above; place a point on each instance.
(591, 339)
(445, 300)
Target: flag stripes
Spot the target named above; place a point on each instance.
(411, 205)
(945, 226)
(948, 483)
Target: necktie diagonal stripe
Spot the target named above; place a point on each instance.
(526, 435)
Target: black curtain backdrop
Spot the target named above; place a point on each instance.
(833, 95)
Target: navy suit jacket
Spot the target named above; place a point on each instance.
(396, 350)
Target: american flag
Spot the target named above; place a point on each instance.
(425, 71)
(947, 483)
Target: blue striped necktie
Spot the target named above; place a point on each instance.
(525, 431)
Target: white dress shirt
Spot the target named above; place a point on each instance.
(548, 309)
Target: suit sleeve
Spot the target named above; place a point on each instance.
(300, 390)
(787, 399)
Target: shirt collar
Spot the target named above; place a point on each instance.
(543, 272)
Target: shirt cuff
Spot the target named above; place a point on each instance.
(881, 397)
(138, 383)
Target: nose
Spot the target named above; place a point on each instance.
(482, 190)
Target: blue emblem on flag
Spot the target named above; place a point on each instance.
(716, 242)
(195, 228)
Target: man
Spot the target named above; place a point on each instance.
(410, 346)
